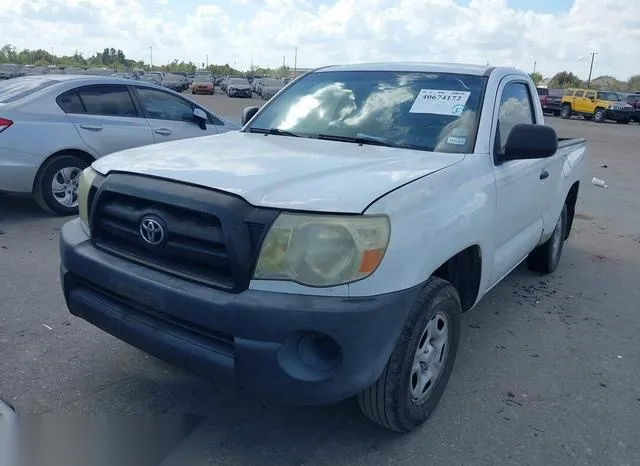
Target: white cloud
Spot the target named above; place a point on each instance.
(338, 31)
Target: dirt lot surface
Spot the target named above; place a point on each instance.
(547, 371)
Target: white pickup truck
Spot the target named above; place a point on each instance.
(328, 249)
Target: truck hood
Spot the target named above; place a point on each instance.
(281, 171)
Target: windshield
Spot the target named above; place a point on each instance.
(426, 111)
(608, 96)
(202, 77)
(17, 88)
(238, 81)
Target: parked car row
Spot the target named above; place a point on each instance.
(591, 104)
(78, 119)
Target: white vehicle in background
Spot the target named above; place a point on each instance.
(53, 126)
(328, 249)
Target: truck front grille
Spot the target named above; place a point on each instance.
(208, 236)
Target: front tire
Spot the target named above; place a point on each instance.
(57, 185)
(546, 257)
(421, 363)
(599, 116)
(565, 112)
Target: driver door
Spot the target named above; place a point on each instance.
(171, 117)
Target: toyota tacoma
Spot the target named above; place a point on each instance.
(327, 249)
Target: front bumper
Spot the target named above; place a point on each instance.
(295, 349)
(619, 115)
(240, 92)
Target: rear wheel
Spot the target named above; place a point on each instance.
(565, 112)
(421, 363)
(56, 187)
(546, 257)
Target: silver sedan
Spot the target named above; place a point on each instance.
(53, 126)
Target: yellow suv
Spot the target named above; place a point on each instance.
(596, 105)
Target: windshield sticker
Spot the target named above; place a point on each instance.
(457, 141)
(440, 102)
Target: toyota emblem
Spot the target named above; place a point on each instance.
(152, 230)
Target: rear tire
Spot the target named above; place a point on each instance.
(545, 258)
(421, 363)
(65, 169)
(565, 112)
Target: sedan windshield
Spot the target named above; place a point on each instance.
(416, 110)
(239, 81)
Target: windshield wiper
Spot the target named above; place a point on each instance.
(276, 131)
(358, 139)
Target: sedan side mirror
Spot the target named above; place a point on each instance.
(529, 141)
(200, 117)
(248, 113)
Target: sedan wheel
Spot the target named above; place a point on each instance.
(57, 185)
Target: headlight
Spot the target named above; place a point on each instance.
(323, 250)
(87, 180)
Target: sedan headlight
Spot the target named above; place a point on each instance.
(323, 250)
(87, 180)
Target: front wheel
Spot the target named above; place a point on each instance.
(546, 257)
(56, 189)
(421, 363)
(599, 116)
(565, 112)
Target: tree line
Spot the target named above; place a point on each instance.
(117, 60)
(566, 79)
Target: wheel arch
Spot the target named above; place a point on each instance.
(84, 155)
(570, 201)
(464, 272)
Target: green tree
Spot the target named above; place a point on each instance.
(634, 83)
(566, 79)
(536, 77)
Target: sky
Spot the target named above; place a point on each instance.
(548, 35)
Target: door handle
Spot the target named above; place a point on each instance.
(544, 175)
(163, 131)
(91, 127)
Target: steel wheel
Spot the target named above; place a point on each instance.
(430, 358)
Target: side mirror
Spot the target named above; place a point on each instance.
(528, 141)
(200, 117)
(248, 113)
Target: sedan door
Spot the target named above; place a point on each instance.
(106, 117)
(171, 117)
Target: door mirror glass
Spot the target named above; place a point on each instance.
(530, 141)
(200, 117)
(248, 113)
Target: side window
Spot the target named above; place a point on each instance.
(579, 94)
(515, 108)
(107, 100)
(70, 102)
(591, 95)
(160, 105)
(568, 93)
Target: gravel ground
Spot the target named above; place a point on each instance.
(547, 371)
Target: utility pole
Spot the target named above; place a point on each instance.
(295, 62)
(534, 66)
(593, 56)
(251, 68)
(207, 60)
(151, 56)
